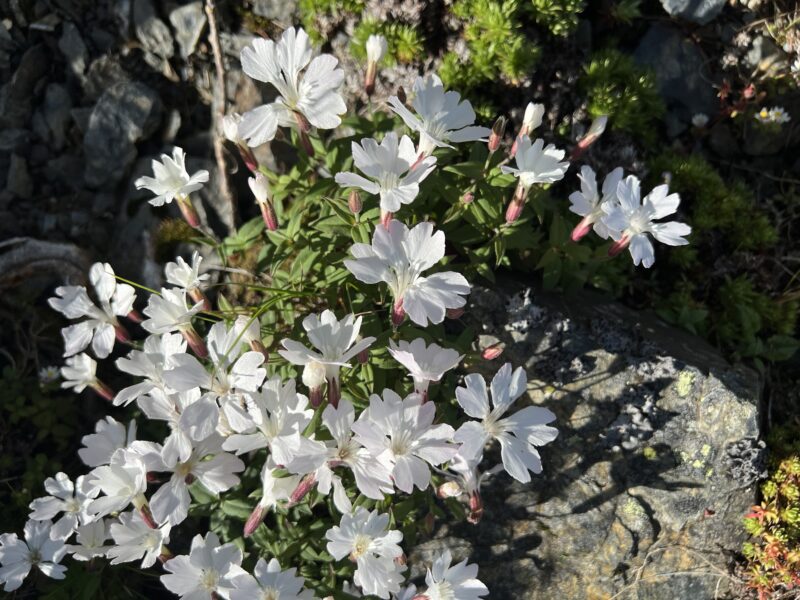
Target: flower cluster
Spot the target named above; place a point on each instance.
(775, 115)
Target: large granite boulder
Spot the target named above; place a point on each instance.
(644, 490)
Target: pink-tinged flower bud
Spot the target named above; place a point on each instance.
(468, 198)
(517, 203)
(152, 477)
(354, 202)
(269, 216)
(257, 346)
(398, 313)
(581, 229)
(619, 245)
(377, 47)
(401, 560)
(454, 313)
(498, 129)
(595, 131)
(188, 211)
(249, 159)
(254, 520)
(363, 356)
(386, 218)
(135, 316)
(166, 554)
(259, 185)
(313, 377)
(315, 396)
(197, 295)
(334, 393)
(102, 390)
(401, 94)
(531, 120)
(195, 342)
(121, 334)
(420, 597)
(302, 489)
(449, 489)
(369, 78)
(304, 127)
(492, 351)
(147, 516)
(475, 508)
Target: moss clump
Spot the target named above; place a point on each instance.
(615, 86)
(560, 17)
(319, 17)
(494, 44)
(404, 41)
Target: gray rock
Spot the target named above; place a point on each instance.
(71, 45)
(126, 113)
(679, 68)
(280, 11)
(188, 21)
(104, 72)
(698, 11)
(765, 56)
(56, 111)
(19, 181)
(16, 96)
(656, 461)
(151, 31)
(13, 139)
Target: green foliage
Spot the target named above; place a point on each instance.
(560, 17)
(625, 11)
(404, 41)
(773, 553)
(314, 12)
(496, 47)
(615, 86)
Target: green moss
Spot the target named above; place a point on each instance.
(615, 86)
(404, 41)
(312, 12)
(560, 17)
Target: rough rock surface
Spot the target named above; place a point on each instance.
(644, 489)
(698, 11)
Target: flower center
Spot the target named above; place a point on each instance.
(208, 579)
(361, 546)
(442, 591)
(270, 594)
(389, 181)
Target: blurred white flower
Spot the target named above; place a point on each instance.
(49, 374)
(110, 435)
(91, 540)
(171, 180)
(149, 363)
(134, 539)
(123, 481)
(17, 557)
(588, 203)
(66, 497)
(208, 571)
(457, 582)
(700, 120)
(377, 46)
(270, 582)
(187, 277)
(424, 363)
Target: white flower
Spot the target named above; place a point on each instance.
(70, 498)
(110, 435)
(169, 312)
(184, 275)
(210, 569)
(48, 374)
(101, 326)
(458, 582)
(123, 482)
(776, 114)
(134, 539)
(537, 163)
(38, 550)
(364, 536)
(401, 434)
(91, 540)
(424, 363)
(377, 46)
(532, 118)
(79, 373)
(260, 188)
(171, 501)
(589, 204)
(398, 256)
(230, 127)
(306, 86)
(518, 434)
(171, 179)
(270, 583)
(632, 219)
(389, 168)
(700, 120)
(149, 363)
(335, 345)
(441, 116)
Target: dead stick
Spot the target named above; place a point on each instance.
(219, 112)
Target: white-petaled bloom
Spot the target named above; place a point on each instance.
(171, 179)
(110, 435)
(275, 415)
(700, 120)
(401, 434)
(398, 256)
(457, 582)
(373, 477)
(588, 203)
(441, 117)
(307, 88)
(91, 540)
(364, 536)
(632, 219)
(149, 363)
(269, 582)
(17, 557)
(101, 326)
(465, 478)
(230, 127)
(532, 118)
(537, 163)
(376, 46)
(134, 539)
(776, 114)
(169, 312)
(66, 497)
(388, 167)
(214, 469)
(518, 434)
(424, 363)
(184, 275)
(79, 373)
(260, 188)
(49, 374)
(275, 491)
(334, 343)
(207, 572)
(123, 481)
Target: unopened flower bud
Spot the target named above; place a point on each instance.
(230, 127)
(401, 95)
(268, 215)
(749, 92)
(135, 316)
(386, 218)
(260, 188)
(334, 393)
(401, 560)
(195, 342)
(492, 351)
(121, 334)
(376, 49)
(314, 377)
(363, 356)
(147, 516)
(468, 198)
(619, 245)
(475, 508)
(254, 520)
(595, 131)
(449, 489)
(302, 489)
(354, 202)
(398, 313)
(166, 554)
(197, 295)
(498, 129)
(102, 390)
(532, 118)
(188, 211)
(582, 228)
